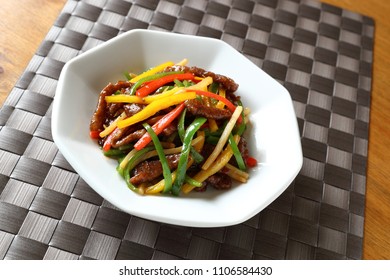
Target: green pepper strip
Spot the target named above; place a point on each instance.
(236, 153)
(151, 78)
(164, 163)
(178, 83)
(193, 182)
(187, 83)
(126, 147)
(196, 156)
(182, 165)
(214, 87)
(118, 152)
(127, 76)
(180, 126)
(181, 129)
(130, 166)
(114, 153)
(164, 88)
(212, 139)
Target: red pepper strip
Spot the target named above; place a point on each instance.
(251, 161)
(159, 126)
(156, 84)
(107, 142)
(94, 134)
(228, 104)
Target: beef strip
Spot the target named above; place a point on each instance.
(120, 140)
(197, 108)
(148, 171)
(170, 129)
(99, 116)
(243, 147)
(133, 108)
(113, 110)
(219, 181)
(229, 84)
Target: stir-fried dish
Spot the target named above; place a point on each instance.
(174, 129)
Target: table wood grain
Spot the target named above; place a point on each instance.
(24, 24)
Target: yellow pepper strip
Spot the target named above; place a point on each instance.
(112, 126)
(141, 188)
(201, 135)
(202, 85)
(219, 163)
(124, 98)
(220, 104)
(155, 107)
(236, 173)
(223, 139)
(213, 125)
(127, 158)
(236, 170)
(151, 98)
(182, 62)
(152, 71)
(159, 187)
(199, 86)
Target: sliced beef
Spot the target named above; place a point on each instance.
(99, 116)
(229, 84)
(148, 171)
(219, 181)
(170, 129)
(119, 140)
(197, 108)
(243, 147)
(133, 108)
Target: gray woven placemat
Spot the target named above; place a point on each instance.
(322, 54)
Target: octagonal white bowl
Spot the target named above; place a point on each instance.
(273, 134)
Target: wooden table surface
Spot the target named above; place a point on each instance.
(24, 24)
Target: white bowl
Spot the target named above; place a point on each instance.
(273, 135)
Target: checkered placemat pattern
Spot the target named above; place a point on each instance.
(322, 54)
